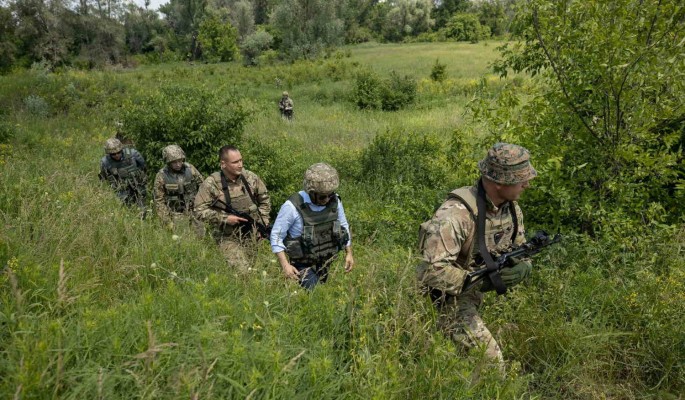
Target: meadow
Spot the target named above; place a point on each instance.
(97, 304)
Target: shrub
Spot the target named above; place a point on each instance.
(368, 90)
(7, 132)
(398, 92)
(219, 40)
(254, 45)
(466, 28)
(37, 106)
(439, 71)
(197, 119)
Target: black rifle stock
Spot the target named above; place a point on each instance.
(245, 226)
(536, 244)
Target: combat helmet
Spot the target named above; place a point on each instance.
(507, 164)
(113, 146)
(173, 153)
(285, 94)
(321, 178)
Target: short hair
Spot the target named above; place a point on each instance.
(223, 152)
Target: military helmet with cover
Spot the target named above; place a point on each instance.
(173, 153)
(113, 146)
(507, 164)
(285, 94)
(321, 178)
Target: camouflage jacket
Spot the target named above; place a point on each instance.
(174, 192)
(448, 242)
(286, 104)
(210, 190)
(125, 174)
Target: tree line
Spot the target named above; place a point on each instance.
(94, 33)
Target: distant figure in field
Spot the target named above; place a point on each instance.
(476, 221)
(175, 188)
(124, 169)
(286, 107)
(311, 229)
(236, 204)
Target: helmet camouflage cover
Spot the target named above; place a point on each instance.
(285, 94)
(173, 153)
(113, 146)
(321, 178)
(507, 164)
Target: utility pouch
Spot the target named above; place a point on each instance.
(173, 188)
(293, 247)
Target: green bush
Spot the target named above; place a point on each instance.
(398, 92)
(466, 28)
(254, 46)
(7, 131)
(439, 71)
(197, 119)
(389, 94)
(368, 90)
(37, 106)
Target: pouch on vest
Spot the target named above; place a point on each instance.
(293, 248)
(173, 188)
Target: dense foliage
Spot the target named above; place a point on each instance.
(95, 34)
(95, 303)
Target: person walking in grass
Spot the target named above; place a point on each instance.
(175, 188)
(286, 106)
(473, 223)
(234, 201)
(124, 169)
(311, 229)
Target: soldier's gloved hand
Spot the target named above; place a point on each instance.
(516, 274)
(511, 276)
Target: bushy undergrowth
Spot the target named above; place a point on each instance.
(95, 303)
(390, 94)
(197, 119)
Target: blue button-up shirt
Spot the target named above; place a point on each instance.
(290, 222)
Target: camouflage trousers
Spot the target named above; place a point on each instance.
(240, 252)
(460, 320)
(176, 219)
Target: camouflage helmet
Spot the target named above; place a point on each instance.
(321, 178)
(113, 146)
(173, 153)
(507, 164)
(285, 94)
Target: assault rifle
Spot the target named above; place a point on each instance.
(506, 260)
(245, 226)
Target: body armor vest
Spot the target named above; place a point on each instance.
(124, 171)
(500, 233)
(179, 188)
(240, 200)
(322, 235)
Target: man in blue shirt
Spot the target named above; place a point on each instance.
(311, 229)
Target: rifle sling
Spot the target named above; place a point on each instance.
(492, 267)
(227, 195)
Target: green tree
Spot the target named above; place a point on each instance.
(444, 9)
(611, 82)
(219, 40)
(466, 28)
(407, 18)
(306, 27)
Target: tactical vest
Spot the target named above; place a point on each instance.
(499, 233)
(180, 188)
(124, 171)
(239, 199)
(322, 235)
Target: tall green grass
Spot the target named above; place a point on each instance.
(95, 303)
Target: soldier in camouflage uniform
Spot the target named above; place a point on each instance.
(311, 229)
(124, 169)
(449, 244)
(245, 192)
(286, 106)
(175, 188)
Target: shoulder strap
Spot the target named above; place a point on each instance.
(224, 188)
(492, 269)
(248, 190)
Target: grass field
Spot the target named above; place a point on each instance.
(96, 304)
